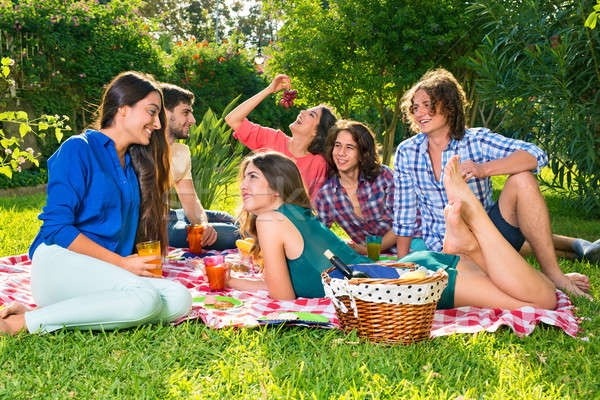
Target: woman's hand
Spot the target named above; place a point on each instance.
(139, 265)
(359, 248)
(280, 82)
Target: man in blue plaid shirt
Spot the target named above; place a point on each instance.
(435, 108)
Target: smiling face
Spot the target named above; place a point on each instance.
(429, 122)
(307, 121)
(141, 119)
(345, 153)
(180, 120)
(257, 195)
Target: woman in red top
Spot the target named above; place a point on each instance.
(307, 144)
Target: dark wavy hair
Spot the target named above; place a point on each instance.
(173, 95)
(369, 163)
(151, 162)
(327, 120)
(283, 176)
(442, 88)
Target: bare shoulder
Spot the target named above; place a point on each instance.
(270, 218)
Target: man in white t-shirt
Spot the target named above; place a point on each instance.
(220, 231)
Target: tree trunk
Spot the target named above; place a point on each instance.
(390, 132)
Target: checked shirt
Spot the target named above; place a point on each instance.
(376, 200)
(417, 189)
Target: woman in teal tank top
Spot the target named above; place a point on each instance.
(278, 213)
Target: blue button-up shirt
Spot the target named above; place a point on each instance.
(417, 188)
(90, 193)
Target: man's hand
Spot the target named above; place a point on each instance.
(470, 169)
(209, 236)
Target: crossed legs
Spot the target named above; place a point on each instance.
(490, 273)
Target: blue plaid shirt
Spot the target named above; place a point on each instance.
(416, 187)
(376, 200)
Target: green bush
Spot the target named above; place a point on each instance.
(539, 66)
(218, 73)
(69, 50)
(216, 156)
(28, 177)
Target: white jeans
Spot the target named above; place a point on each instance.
(77, 291)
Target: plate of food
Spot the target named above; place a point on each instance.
(218, 302)
(293, 317)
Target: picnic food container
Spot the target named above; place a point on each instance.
(387, 310)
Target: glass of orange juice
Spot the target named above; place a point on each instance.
(195, 233)
(151, 248)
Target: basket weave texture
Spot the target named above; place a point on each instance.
(384, 322)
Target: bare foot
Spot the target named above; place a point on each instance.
(580, 280)
(457, 189)
(11, 308)
(458, 238)
(13, 323)
(569, 284)
(4, 328)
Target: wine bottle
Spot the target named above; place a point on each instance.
(344, 269)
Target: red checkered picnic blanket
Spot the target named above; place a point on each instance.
(14, 285)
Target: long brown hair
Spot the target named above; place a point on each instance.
(369, 163)
(443, 88)
(151, 163)
(327, 120)
(283, 176)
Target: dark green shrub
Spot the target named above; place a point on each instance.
(218, 73)
(539, 66)
(28, 177)
(68, 50)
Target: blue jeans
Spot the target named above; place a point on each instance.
(222, 222)
(82, 292)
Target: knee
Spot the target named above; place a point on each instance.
(144, 304)
(523, 181)
(177, 300)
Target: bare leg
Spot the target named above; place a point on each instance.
(522, 204)
(505, 268)
(563, 246)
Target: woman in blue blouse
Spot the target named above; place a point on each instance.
(106, 191)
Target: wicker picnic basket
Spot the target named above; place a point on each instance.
(387, 310)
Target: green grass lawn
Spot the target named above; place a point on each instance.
(192, 362)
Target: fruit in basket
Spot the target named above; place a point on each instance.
(416, 274)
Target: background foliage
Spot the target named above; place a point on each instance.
(360, 56)
(216, 156)
(539, 68)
